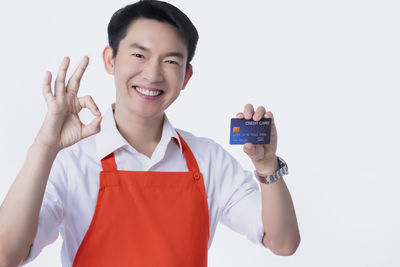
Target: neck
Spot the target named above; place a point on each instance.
(141, 133)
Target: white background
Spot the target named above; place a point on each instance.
(328, 70)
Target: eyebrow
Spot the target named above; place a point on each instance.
(169, 54)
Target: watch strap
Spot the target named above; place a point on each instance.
(283, 170)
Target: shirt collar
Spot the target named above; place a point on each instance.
(109, 139)
(169, 133)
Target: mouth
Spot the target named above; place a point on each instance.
(148, 92)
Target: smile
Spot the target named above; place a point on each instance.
(148, 92)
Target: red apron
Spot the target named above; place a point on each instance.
(146, 219)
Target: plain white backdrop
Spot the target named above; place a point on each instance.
(328, 70)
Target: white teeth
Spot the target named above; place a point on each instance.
(148, 92)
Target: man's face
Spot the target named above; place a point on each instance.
(149, 68)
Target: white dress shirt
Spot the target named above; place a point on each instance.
(69, 202)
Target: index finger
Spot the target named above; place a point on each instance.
(75, 80)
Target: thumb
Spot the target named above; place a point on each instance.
(253, 151)
(249, 149)
(92, 128)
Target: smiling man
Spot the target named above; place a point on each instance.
(128, 189)
(150, 69)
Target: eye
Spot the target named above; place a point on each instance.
(138, 55)
(172, 62)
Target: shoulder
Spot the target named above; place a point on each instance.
(195, 142)
(205, 148)
(78, 153)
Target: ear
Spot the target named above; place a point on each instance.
(108, 60)
(188, 74)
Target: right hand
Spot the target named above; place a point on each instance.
(62, 126)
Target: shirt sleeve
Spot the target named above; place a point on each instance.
(51, 211)
(241, 200)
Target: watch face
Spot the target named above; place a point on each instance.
(283, 170)
(281, 162)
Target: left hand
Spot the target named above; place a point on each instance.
(263, 156)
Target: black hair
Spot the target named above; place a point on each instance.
(152, 9)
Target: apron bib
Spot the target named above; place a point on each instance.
(146, 219)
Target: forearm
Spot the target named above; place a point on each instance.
(19, 212)
(279, 218)
(278, 215)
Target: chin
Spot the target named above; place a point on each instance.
(148, 113)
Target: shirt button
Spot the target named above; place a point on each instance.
(196, 175)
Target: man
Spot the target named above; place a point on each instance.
(135, 191)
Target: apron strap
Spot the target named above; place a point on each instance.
(108, 163)
(190, 159)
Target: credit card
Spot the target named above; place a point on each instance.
(249, 131)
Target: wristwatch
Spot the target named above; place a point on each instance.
(283, 170)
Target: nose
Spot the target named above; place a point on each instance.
(152, 72)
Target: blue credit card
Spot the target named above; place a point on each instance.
(249, 131)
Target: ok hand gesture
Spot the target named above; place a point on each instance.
(62, 126)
